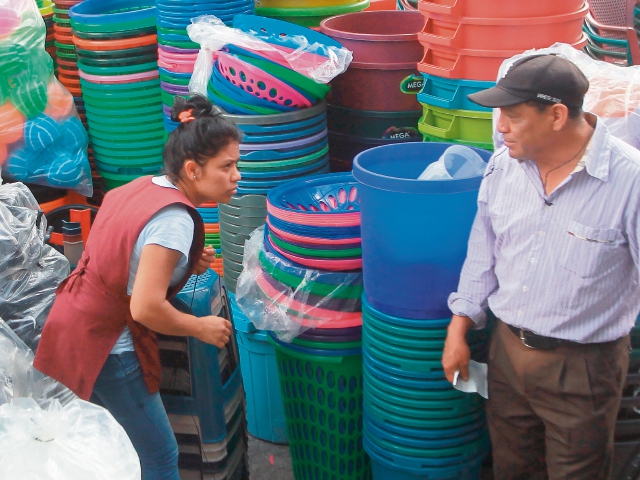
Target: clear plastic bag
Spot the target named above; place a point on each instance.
(212, 34)
(18, 377)
(613, 95)
(288, 310)
(457, 162)
(80, 441)
(42, 140)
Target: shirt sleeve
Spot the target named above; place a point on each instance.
(477, 279)
(172, 227)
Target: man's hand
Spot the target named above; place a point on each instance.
(208, 256)
(456, 352)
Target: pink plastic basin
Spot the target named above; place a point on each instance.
(500, 8)
(378, 37)
(503, 34)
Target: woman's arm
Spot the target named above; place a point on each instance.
(150, 307)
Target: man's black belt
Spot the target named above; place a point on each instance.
(540, 342)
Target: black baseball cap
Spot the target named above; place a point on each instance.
(542, 78)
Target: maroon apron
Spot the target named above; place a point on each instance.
(92, 308)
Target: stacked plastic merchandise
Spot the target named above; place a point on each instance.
(373, 103)
(466, 42)
(202, 391)
(211, 218)
(115, 42)
(41, 139)
(176, 52)
(66, 57)
(416, 425)
(308, 13)
(46, 10)
(303, 281)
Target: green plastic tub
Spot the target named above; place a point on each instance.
(461, 125)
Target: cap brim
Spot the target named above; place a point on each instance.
(496, 97)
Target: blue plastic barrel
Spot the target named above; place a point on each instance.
(265, 410)
(414, 232)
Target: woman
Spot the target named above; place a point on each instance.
(146, 241)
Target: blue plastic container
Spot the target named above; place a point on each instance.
(452, 92)
(265, 410)
(414, 232)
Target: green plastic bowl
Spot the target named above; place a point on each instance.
(311, 17)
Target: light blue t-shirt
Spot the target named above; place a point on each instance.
(171, 227)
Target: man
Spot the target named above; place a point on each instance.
(554, 254)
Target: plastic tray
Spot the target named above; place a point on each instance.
(350, 233)
(316, 252)
(322, 264)
(286, 153)
(465, 125)
(451, 93)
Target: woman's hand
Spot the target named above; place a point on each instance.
(208, 256)
(214, 330)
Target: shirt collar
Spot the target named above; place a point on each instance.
(597, 156)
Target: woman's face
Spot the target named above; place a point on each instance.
(218, 178)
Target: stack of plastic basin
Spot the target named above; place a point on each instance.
(373, 103)
(211, 218)
(308, 13)
(238, 219)
(46, 10)
(176, 52)
(466, 42)
(265, 411)
(626, 447)
(117, 58)
(65, 51)
(250, 82)
(202, 391)
(313, 236)
(416, 425)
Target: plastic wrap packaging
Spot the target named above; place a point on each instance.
(80, 441)
(320, 297)
(19, 379)
(22, 230)
(42, 140)
(30, 271)
(321, 63)
(613, 95)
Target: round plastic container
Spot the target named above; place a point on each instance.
(311, 16)
(503, 33)
(322, 397)
(372, 124)
(459, 125)
(378, 37)
(499, 8)
(410, 267)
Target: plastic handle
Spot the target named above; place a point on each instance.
(453, 72)
(451, 102)
(450, 132)
(428, 37)
(435, 7)
(412, 84)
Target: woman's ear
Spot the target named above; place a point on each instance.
(191, 169)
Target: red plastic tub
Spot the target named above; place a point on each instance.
(501, 33)
(500, 8)
(386, 36)
(469, 64)
(377, 5)
(372, 86)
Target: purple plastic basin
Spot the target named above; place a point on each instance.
(174, 89)
(385, 36)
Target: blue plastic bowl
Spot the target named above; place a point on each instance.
(414, 232)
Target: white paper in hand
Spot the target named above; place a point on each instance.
(477, 379)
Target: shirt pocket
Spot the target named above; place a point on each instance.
(591, 251)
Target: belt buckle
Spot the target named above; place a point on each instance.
(524, 339)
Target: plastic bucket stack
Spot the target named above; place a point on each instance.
(369, 104)
(416, 425)
(627, 433)
(66, 58)
(313, 233)
(465, 43)
(117, 59)
(308, 13)
(46, 10)
(211, 218)
(176, 52)
(265, 412)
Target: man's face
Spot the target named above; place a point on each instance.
(526, 130)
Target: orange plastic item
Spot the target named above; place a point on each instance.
(381, 5)
(502, 34)
(3, 153)
(121, 44)
(60, 101)
(469, 64)
(11, 124)
(212, 228)
(499, 8)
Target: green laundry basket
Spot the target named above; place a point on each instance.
(322, 395)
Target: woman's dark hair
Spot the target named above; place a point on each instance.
(199, 138)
